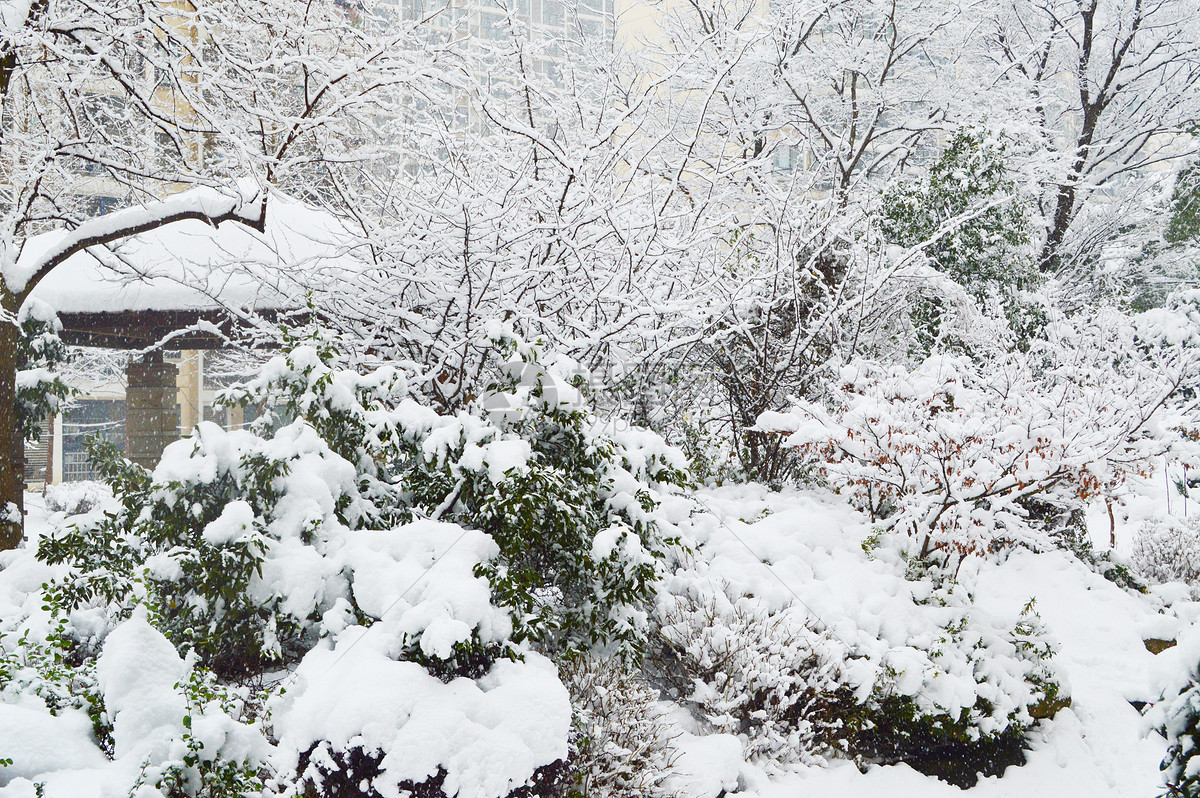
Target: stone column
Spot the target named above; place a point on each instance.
(151, 421)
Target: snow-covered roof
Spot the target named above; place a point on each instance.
(190, 265)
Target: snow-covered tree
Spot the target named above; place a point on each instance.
(176, 112)
(1107, 87)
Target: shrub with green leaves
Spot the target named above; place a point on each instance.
(211, 538)
(574, 510)
(40, 351)
(975, 229)
(351, 412)
(54, 669)
(1177, 716)
(224, 541)
(202, 772)
(968, 206)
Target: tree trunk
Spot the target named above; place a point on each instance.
(12, 446)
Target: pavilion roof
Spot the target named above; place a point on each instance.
(191, 273)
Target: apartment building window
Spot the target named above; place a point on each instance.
(98, 206)
(100, 417)
(591, 29)
(553, 14)
(787, 157)
(603, 7)
(493, 26)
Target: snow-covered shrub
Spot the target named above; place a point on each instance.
(366, 716)
(622, 744)
(418, 550)
(1182, 729)
(53, 670)
(422, 583)
(1016, 684)
(202, 769)
(974, 228)
(40, 351)
(191, 736)
(949, 454)
(77, 498)
(180, 730)
(574, 511)
(969, 179)
(791, 632)
(1177, 715)
(952, 454)
(1168, 550)
(349, 411)
(225, 542)
(771, 678)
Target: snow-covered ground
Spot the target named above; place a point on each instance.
(790, 549)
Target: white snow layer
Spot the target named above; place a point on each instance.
(490, 734)
(190, 265)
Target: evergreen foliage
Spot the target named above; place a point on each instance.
(40, 354)
(968, 215)
(1183, 226)
(1180, 715)
(192, 544)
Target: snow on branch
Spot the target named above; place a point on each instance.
(951, 453)
(203, 204)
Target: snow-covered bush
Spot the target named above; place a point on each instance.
(1182, 729)
(949, 454)
(40, 351)
(348, 410)
(968, 217)
(357, 529)
(1177, 715)
(769, 677)
(808, 637)
(795, 693)
(1168, 550)
(225, 542)
(51, 670)
(1015, 684)
(952, 454)
(425, 694)
(573, 510)
(77, 498)
(622, 743)
(168, 721)
(537, 527)
(189, 735)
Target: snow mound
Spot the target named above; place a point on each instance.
(419, 579)
(489, 735)
(39, 743)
